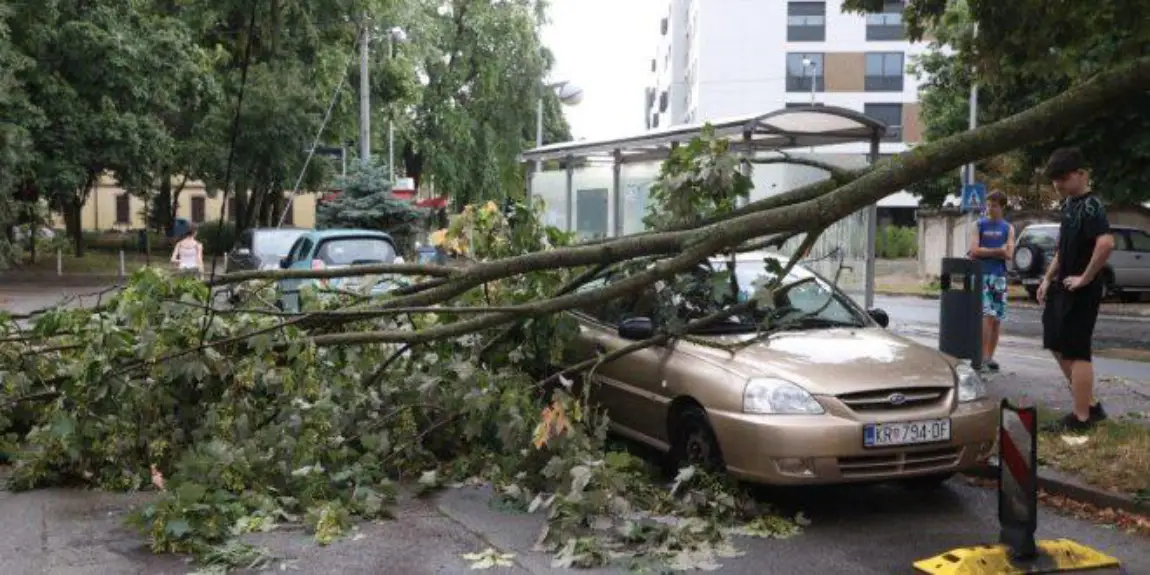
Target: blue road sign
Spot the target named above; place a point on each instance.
(973, 197)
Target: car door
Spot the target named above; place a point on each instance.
(300, 252)
(1139, 266)
(629, 387)
(1122, 260)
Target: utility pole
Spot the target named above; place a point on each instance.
(364, 96)
(390, 119)
(969, 175)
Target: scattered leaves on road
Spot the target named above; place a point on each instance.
(489, 558)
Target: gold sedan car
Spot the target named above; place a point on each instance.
(826, 395)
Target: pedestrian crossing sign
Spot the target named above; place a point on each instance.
(973, 197)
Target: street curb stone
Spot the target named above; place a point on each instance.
(1072, 488)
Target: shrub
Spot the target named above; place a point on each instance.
(895, 242)
(217, 238)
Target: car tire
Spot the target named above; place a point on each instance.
(932, 481)
(693, 441)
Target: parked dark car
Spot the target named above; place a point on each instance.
(1126, 275)
(262, 248)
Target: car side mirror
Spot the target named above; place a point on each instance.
(880, 317)
(284, 263)
(636, 328)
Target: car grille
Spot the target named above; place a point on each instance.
(869, 465)
(881, 400)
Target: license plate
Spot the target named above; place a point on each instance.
(906, 433)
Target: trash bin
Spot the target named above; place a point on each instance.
(960, 310)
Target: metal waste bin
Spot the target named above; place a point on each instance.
(960, 310)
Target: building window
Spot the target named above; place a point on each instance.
(889, 114)
(800, 69)
(655, 121)
(791, 105)
(806, 21)
(886, 25)
(653, 64)
(233, 208)
(884, 71)
(663, 101)
(199, 209)
(123, 210)
(663, 27)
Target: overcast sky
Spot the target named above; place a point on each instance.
(604, 47)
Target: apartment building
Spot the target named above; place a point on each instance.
(726, 58)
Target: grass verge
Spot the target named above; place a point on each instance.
(93, 262)
(932, 289)
(1114, 456)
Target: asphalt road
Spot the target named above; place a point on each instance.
(1022, 320)
(869, 530)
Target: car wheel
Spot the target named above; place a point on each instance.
(1024, 259)
(932, 481)
(694, 442)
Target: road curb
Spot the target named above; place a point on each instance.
(1072, 489)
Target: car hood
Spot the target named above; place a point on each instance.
(837, 361)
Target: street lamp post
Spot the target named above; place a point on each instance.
(569, 95)
(396, 34)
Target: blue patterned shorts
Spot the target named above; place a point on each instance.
(994, 297)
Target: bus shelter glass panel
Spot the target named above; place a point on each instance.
(551, 188)
(842, 245)
(592, 188)
(635, 184)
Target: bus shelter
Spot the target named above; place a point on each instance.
(600, 187)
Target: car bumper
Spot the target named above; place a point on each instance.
(822, 449)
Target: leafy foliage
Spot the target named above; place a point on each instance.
(366, 202)
(1061, 48)
(265, 427)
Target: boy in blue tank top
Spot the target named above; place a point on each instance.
(993, 245)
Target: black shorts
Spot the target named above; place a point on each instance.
(1069, 318)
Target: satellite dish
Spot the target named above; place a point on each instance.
(569, 94)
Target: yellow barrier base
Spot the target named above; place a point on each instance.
(1056, 556)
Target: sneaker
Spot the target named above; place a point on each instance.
(1071, 424)
(1097, 413)
(992, 365)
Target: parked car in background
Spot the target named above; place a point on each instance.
(262, 248)
(1126, 275)
(335, 248)
(828, 397)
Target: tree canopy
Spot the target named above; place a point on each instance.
(1064, 43)
(152, 92)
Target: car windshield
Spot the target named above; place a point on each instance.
(1045, 237)
(351, 251)
(804, 301)
(275, 243)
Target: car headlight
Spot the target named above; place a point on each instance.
(771, 396)
(970, 386)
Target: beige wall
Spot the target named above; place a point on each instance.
(99, 212)
(912, 122)
(845, 71)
